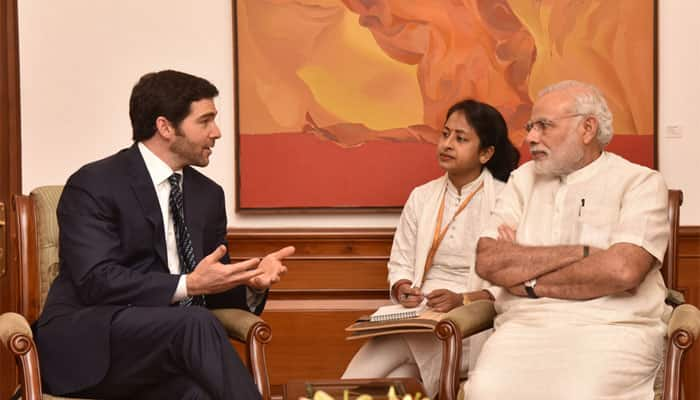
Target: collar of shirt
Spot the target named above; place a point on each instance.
(585, 172)
(466, 189)
(158, 170)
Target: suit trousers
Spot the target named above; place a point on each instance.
(171, 353)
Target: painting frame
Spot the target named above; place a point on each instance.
(241, 207)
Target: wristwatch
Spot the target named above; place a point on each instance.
(530, 288)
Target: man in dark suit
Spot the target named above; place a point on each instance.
(142, 250)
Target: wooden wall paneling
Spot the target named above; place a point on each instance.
(319, 351)
(334, 277)
(313, 242)
(332, 273)
(307, 344)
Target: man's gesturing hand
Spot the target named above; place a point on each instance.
(210, 276)
(272, 268)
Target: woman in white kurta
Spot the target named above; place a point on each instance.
(433, 254)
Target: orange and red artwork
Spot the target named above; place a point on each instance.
(339, 102)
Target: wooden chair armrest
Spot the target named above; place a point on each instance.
(238, 323)
(457, 324)
(13, 323)
(683, 330)
(247, 327)
(16, 335)
(473, 318)
(685, 317)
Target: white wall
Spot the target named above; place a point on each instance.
(80, 58)
(679, 102)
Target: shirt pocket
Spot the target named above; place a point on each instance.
(595, 226)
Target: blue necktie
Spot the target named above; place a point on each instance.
(182, 237)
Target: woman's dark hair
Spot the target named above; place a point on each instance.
(166, 93)
(491, 128)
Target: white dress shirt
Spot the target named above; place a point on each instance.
(159, 172)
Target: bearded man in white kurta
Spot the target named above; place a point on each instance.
(577, 238)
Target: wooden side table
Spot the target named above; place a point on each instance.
(377, 388)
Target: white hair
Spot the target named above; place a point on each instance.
(588, 100)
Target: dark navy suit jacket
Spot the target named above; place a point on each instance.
(113, 255)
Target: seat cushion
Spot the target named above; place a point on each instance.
(45, 203)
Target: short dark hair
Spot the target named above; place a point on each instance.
(492, 130)
(166, 93)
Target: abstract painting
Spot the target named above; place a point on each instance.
(339, 102)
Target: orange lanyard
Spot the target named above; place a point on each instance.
(440, 233)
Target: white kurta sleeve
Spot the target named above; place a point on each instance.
(508, 209)
(643, 218)
(402, 259)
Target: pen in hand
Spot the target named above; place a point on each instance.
(410, 296)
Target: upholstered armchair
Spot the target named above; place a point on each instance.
(683, 327)
(38, 265)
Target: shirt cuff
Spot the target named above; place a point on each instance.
(181, 289)
(254, 298)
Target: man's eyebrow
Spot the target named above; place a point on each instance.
(207, 115)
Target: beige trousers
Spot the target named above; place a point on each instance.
(400, 356)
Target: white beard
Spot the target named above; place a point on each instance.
(563, 161)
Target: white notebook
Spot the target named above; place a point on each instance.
(397, 311)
